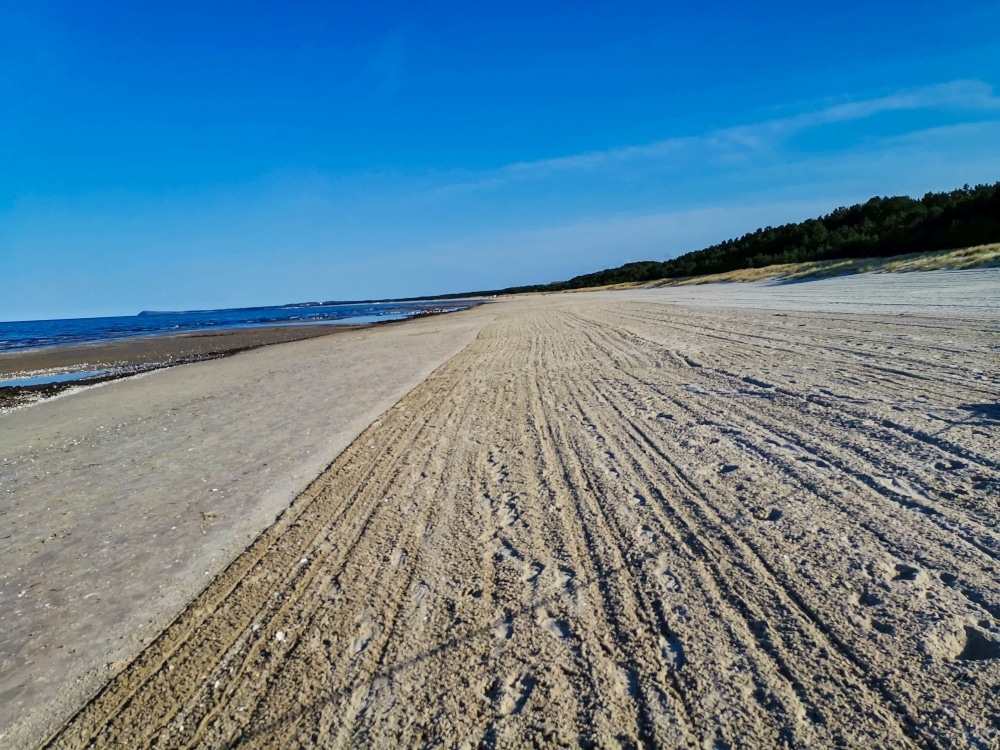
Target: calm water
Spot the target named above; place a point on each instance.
(33, 334)
(62, 377)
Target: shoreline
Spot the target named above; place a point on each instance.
(127, 357)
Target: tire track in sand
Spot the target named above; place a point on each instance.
(609, 523)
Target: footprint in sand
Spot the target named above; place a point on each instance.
(979, 645)
(504, 629)
(868, 599)
(531, 572)
(884, 627)
(901, 487)
(420, 594)
(513, 693)
(906, 573)
(894, 572)
(565, 579)
(667, 579)
(626, 682)
(673, 651)
(645, 534)
(551, 625)
(398, 558)
(509, 513)
(767, 514)
(962, 642)
(366, 631)
(497, 469)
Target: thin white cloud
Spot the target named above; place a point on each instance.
(970, 96)
(960, 95)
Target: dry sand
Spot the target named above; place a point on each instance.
(648, 518)
(120, 502)
(939, 292)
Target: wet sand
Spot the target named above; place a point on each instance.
(739, 516)
(126, 357)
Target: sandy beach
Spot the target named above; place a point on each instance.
(750, 515)
(129, 356)
(121, 501)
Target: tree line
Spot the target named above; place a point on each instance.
(877, 228)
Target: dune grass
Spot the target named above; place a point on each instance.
(971, 257)
(980, 256)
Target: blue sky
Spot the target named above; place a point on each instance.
(196, 155)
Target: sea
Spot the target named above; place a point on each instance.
(35, 334)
